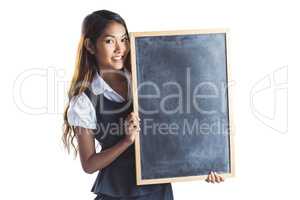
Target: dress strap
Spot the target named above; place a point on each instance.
(93, 98)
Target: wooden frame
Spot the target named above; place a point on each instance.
(134, 35)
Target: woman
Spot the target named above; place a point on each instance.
(100, 101)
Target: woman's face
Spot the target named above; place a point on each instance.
(112, 47)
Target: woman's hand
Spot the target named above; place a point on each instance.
(132, 127)
(213, 177)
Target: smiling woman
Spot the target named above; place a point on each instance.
(99, 102)
(101, 83)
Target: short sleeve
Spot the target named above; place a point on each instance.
(81, 112)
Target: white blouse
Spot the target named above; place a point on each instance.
(81, 111)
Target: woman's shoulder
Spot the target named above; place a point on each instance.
(81, 111)
(79, 101)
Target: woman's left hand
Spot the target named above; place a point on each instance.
(213, 177)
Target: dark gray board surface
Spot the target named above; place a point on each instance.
(185, 118)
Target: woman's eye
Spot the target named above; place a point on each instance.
(109, 41)
(124, 40)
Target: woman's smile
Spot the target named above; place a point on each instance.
(118, 58)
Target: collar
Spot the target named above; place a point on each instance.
(99, 85)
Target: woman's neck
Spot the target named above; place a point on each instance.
(112, 76)
(117, 80)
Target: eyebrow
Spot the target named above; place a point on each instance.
(107, 35)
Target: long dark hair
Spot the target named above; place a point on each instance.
(86, 66)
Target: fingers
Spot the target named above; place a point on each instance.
(209, 178)
(133, 115)
(221, 178)
(132, 122)
(133, 118)
(213, 177)
(217, 178)
(134, 127)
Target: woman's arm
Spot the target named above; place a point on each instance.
(92, 161)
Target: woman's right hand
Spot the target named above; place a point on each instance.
(132, 127)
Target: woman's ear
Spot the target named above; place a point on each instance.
(89, 46)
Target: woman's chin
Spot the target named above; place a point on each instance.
(118, 66)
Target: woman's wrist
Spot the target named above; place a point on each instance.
(127, 141)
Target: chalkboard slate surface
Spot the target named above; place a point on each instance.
(181, 94)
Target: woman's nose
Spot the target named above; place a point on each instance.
(119, 48)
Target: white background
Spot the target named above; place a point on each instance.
(39, 39)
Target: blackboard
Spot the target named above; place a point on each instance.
(180, 91)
